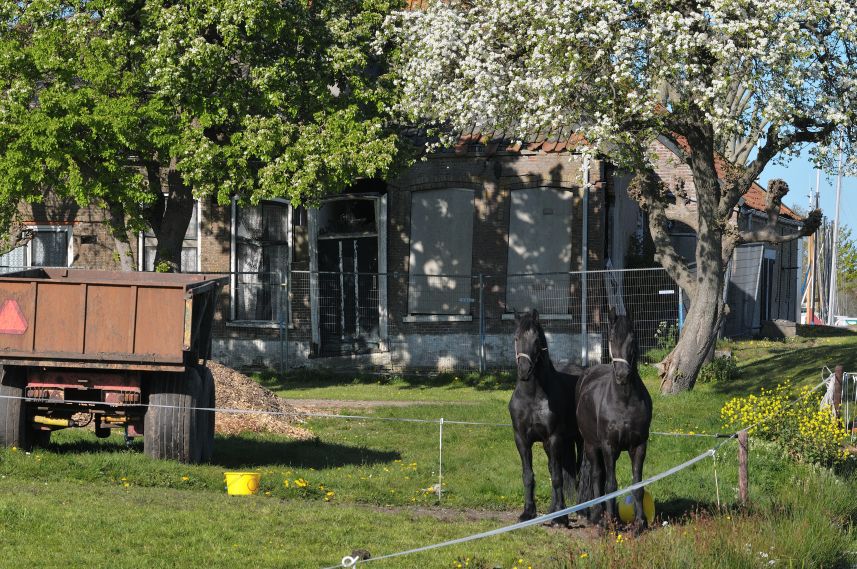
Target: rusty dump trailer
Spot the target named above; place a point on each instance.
(111, 349)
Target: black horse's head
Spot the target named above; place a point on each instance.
(530, 344)
(622, 345)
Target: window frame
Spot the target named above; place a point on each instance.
(43, 228)
(233, 266)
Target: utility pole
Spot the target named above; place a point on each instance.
(831, 303)
(812, 253)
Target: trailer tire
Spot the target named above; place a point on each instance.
(206, 418)
(170, 424)
(14, 430)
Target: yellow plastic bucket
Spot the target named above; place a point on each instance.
(241, 483)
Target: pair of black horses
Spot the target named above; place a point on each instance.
(584, 419)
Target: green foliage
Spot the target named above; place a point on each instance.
(804, 430)
(247, 98)
(719, 370)
(666, 337)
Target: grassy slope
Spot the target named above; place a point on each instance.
(165, 519)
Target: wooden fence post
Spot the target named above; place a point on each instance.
(742, 467)
(837, 390)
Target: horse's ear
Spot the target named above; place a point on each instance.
(611, 314)
(535, 315)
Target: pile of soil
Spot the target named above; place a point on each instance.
(234, 390)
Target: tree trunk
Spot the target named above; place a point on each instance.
(119, 232)
(680, 367)
(697, 336)
(169, 219)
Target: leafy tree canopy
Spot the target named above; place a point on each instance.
(251, 98)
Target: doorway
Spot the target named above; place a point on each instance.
(348, 284)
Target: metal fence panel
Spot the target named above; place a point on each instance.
(411, 323)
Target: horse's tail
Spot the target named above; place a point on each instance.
(585, 489)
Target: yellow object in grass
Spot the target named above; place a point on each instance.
(241, 483)
(626, 507)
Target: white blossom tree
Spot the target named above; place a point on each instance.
(743, 82)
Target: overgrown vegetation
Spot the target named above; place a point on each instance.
(720, 369)
(666, 337)
(794, 420)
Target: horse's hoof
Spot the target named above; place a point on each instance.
(561, 521)
(526, 516)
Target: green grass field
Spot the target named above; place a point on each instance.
(362, 484)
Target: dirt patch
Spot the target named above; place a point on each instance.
(234, 390)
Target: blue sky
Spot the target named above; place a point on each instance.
(800, 176)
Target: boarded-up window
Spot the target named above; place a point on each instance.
(441, 252)
(743, 289)
(540, 250)
(261, 238)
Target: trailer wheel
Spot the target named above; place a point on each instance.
(14, 429)
(206, 419)
(170, 424)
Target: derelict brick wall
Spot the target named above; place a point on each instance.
(492, 178)
(93, 244)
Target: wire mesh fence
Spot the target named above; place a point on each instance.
(417, 322)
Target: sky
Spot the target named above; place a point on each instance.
(800, 176)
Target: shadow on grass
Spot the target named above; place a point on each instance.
(239, 451)
(678, 509)
(794, 364)
(302, 379)
(231, 452)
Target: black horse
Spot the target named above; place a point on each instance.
(614, 412)
(542, 410)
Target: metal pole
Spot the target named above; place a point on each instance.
(481, 324)
(743, 483)
(584, 355)
(282, 317)
(680, 310)
(831, 303)
(440, 463)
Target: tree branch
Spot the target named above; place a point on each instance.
(768, 233)
(649, 193)
(807, 132)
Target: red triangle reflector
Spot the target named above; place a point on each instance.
(12, 320)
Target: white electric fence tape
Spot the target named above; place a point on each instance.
(303, 414)
(535, 521)
(349, 561)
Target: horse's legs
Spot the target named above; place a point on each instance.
(556, 452)
(638, 455)
(570, 470)
(609, 456)
(525, 449)
(596, 471)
